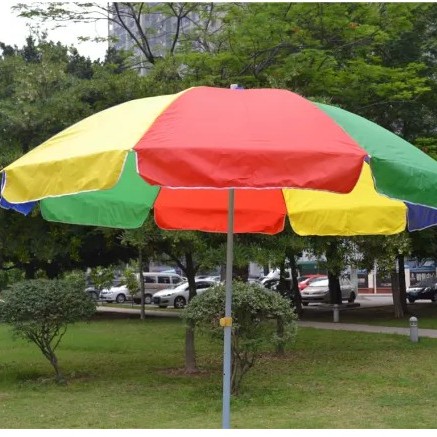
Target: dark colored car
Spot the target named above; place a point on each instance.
(426, 289)
(272, 284)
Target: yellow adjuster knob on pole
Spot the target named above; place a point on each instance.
(226, 321)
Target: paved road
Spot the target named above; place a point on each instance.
(364, 301)
(373, 300)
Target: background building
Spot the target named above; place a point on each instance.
(158, 31)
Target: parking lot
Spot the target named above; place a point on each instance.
(362, 301)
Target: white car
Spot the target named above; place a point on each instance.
(118, 294)
(178, 297)
(153, 282)
(156, 281)
(318, 291)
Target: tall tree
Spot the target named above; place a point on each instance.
(155, 30)
(387, 251)
(45, 87)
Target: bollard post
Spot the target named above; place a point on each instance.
(336, 312)
(414, 330)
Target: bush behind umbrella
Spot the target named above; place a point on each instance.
(253, 309)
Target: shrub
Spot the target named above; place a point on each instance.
(40, 310)
(253, 310)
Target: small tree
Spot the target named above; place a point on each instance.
(133, 284)
(102, 277)
(39, 310)
(140, 239)
(254, 308)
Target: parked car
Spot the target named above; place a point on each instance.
(153, 282)
(271, 284)
(92, 292)
(178, 297)
(304, 281)
(209, 277)
(318, 291)
(426, 289)
(274, 276)
(156, 281)
(117, 294)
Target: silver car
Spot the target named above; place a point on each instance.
(178, 297)
(117, 294)
(318, 291)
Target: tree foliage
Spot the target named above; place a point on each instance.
(40, 311)
(102, 277)
(45, 87)
(376, 59)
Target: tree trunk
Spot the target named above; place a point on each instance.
(190, 351)
(282, 287)
(60, 379)
(399, 290)
(191, 275)
(241, 273)
(280, 348)
(295, 292)
(333, 277)
(222, 272)
(398, 310)
(52, 270)
(140, 266)
(334, 288)
(29, 270)
(402, 284)
(242, 362)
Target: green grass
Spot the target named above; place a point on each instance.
(124, 373)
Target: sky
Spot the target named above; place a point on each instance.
(13, 31)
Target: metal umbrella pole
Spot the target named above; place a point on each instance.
(226, 321)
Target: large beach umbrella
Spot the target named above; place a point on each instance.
(223, 160)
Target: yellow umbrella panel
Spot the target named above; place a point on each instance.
(87, 156)
(361, 212)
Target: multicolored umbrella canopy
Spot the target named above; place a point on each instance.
(284, 155)
(183, 154)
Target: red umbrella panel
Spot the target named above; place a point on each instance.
(106, 169)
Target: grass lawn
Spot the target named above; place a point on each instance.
(124, 373)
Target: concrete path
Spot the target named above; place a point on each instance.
(432, 333)
(124, 310)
